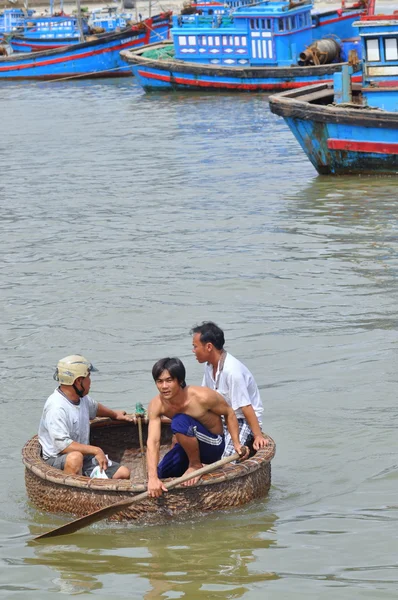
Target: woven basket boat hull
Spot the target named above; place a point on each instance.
(51, 490)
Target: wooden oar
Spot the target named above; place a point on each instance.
(102, 513)
(140, 414)
(139, 420)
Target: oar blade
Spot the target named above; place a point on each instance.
(94, 517)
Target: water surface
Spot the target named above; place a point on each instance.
(126, 219)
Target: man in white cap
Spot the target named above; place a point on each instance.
(64, 431)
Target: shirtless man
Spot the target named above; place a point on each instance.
(195, 414)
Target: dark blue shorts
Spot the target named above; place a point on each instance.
(211, 447)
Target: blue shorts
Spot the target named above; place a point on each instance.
(211, 447)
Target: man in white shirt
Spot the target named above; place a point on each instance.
(64, 430)
(233, 380)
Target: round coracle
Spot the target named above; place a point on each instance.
(52, 490)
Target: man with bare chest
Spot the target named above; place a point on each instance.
(195, 414)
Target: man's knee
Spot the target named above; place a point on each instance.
(74, 462)
(122, 473)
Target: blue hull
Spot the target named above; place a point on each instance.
(338, 140)
(155, 74)
(97, 58)
(333, 22)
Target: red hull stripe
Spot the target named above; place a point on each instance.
(228, 85)
(366, 147)
(390, 83)
(339, 19)
(64, 59)
(36, 48)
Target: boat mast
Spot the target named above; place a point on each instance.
(79, 20)
(371, 7)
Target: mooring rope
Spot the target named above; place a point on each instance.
(85, 74)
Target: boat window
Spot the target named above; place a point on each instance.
(281, 25)
(202, 40)
(372, 50)
(391, 48)
(192, 40)
(216, 40)
(182, 40)
(237, 41)
(210, 38)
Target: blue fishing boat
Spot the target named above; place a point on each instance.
(47, 32)
(99, 57)
(12, 19)
(109, 19)
(263, 47)
(348, 128)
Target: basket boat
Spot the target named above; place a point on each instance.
(52, 490)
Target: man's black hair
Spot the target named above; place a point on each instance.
(174, 366)
(210, 332)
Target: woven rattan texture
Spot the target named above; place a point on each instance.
(53, 491)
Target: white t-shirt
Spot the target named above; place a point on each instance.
(63, 422)
(236, 384)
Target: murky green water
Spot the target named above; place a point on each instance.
(125, 220)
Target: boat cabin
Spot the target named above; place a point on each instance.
(270, 33)
(13, 18)
(212, 7)
(379, 38)
(109, 19)
(53, 27)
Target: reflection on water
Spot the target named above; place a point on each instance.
(211, 558)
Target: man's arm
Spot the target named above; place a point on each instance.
(216, 403)
(259, 440)
(240, 398)
(155, 486)
(117, 415)
(61, 438)
(87, 449)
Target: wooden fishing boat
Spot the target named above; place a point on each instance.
(99, 57)
(263, 47)
(48, 32)
(351, 129)
(52, 490)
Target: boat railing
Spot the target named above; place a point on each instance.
(199, 21)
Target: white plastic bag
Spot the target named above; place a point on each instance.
(98, 473)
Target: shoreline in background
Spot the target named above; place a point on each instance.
(142, 5)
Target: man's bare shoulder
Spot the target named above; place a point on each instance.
(155, 408)
(203, 394)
